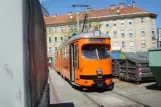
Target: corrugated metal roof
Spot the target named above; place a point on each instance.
(138, 56)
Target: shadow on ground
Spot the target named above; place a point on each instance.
(70, 104)
(153, 87)
(90, 90)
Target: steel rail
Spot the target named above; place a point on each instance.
(91, 99)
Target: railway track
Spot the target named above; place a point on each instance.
(57, 100)
(91, 99)
(139, 103)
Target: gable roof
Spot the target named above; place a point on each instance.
(106, 12)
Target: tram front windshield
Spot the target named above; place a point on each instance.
(95, 52)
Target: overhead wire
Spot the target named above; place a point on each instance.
(85, 1)
(53, 1)
(92, 2)
(88, 14)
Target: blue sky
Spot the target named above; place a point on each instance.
(64, 6)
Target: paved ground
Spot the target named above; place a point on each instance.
(146, 93)
(66, 93)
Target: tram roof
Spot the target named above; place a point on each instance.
(84, 35)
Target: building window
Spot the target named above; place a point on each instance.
(142, 33)
(55, 30)
(90, 25)
(153, 21)
(115, 34)
(143, 43)
(49, 30)
(130, 33)
(50, 40)
(100, 25)
(55, 48)
(130, 22)
(61, 39)
(153, 33)
(142, 20)
(131, 44)
(69, 28)
(122, 33)
(107, 33)
(153, 44)
(122, 22)
(115, 44)
(61, 29)
(114, 23)
(107, 25)
(69, 37)
(50, 49)
(123, 44)
(55, 39)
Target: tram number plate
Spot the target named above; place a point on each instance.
(100, 76)
(99, 85)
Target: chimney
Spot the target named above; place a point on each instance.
(118, 11)
(88, 9)
(112, 6)
(54, 15)
(69, 13)
(133, 3)
(122, 5)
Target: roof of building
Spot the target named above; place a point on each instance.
(106, 12)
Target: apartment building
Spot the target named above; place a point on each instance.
(159, 38)
(131, 28)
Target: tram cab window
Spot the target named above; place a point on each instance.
(95, 52)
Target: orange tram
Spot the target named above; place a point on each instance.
(85, 60)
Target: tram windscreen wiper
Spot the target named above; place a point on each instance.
(97, 53)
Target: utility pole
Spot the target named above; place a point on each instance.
(78, 14)
(77, 22)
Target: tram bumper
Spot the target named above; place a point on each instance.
(100, 81)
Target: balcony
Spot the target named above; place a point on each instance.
(153, 37)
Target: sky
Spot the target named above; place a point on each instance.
(64, 6)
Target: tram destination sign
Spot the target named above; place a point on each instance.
(96, 40)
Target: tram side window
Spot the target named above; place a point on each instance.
(76, 53)
(95, 52)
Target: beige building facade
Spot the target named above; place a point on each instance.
(131, 28)
(132, 34)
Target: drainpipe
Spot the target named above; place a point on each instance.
(135, 34)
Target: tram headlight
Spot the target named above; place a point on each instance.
(99, 71)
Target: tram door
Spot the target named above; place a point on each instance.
(72, 62)
(76, 60)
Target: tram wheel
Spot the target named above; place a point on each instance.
(111, 87)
